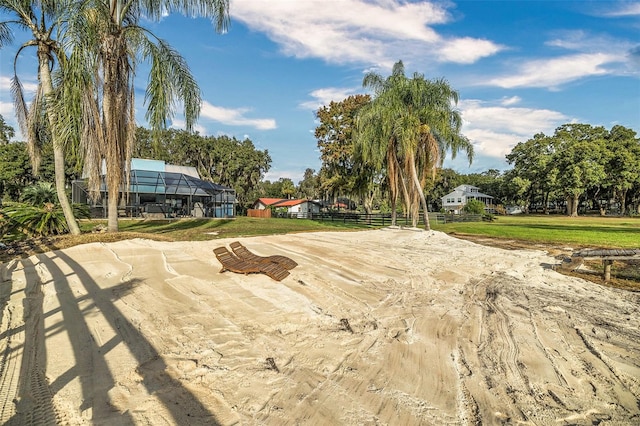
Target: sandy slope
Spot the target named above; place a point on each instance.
(389, 326)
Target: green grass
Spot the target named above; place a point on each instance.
(581, 231)
(208, 229)
(605, 232)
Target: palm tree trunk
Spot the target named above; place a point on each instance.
(394, 214)
(405, 193)
(115, 109)
(392, 178)
(112, 211)
(58, 148)
(423, 200)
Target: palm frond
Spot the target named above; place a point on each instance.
(19, 104)
(6, 36)
(216, 10)
(170, 81)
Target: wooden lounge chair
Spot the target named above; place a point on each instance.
(245, 254)
(231, 262)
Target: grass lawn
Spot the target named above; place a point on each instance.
(588, 231)
(209, 229)
(556, 234)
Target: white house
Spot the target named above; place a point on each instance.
(456, 200)
(295, 208)
(264, 203)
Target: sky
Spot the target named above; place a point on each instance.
(520, 68)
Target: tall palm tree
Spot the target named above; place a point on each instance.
(106, 44)
(37, 121)
(407, 130)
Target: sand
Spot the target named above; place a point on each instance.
(390, 326)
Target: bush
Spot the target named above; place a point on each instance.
(47, 219)
(474, 207)
(39, 194)
(488, 217)
(39, 213)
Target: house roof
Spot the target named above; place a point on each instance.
(269, 201)
(466, 190)
(147, 165)
(282, 202)
(290, 203)
(157, 182)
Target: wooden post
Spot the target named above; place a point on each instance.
(607, 269)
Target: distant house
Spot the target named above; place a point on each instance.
(265, 203)
(456, 200)
(295, 207)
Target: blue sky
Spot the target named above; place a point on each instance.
(521, 67)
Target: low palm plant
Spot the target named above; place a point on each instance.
(4, 225)
(39, 194)
(39, 213)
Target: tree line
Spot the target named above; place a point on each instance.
(225, 160)
(578, 168)
(579, 165)
(536, 183)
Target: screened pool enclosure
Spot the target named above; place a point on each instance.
(160, 190)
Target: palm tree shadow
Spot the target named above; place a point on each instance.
(33, 397)
(183, 405)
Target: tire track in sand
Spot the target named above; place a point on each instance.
(29, 391)
(9, 364)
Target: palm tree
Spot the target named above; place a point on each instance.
(107, 43)
(406, 131)
(37, 120)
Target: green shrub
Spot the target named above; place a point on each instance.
(474, 207)
(47, 219)
(39, 194)
(4, 225)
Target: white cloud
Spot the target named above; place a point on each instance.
(590, 55)
(495, 130)
(6, 102)
(28, 87)
(510, 101)
(235, 117)
(553, 72)
(624, 9)
(586, 42)
(275, 175)
(6, 109)
(467, 50)
(358, 31)
(5, 83)
(324, 96)
(180, 124)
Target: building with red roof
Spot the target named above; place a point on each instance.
(292, 207)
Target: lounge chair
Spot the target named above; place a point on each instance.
(231, 262)
(245, 254)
